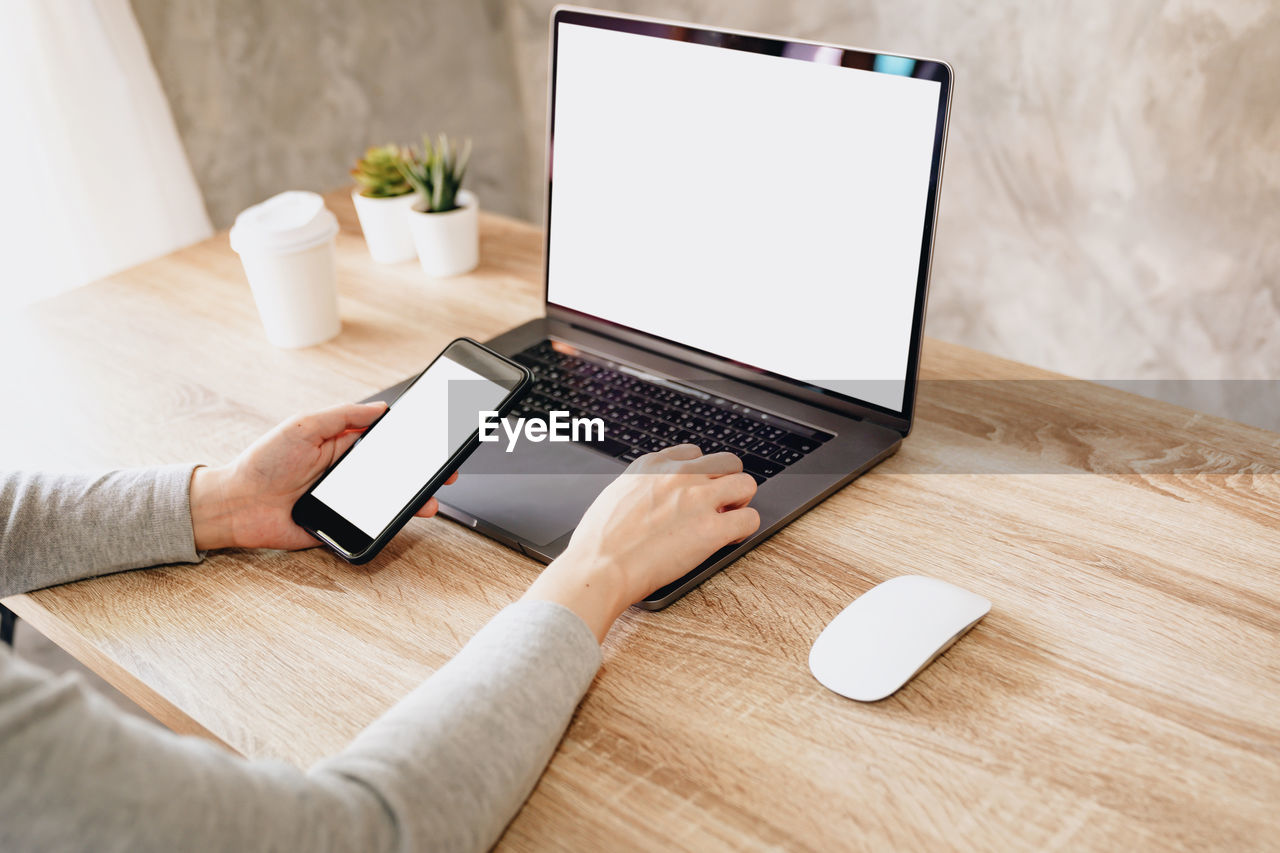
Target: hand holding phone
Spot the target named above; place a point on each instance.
(373, 490)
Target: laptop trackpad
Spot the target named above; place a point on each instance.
(537, 492)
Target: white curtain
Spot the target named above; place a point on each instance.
(97, 179)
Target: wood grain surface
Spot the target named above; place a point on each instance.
(1124, 691)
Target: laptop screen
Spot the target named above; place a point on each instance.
(766, 208)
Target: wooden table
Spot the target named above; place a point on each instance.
(1124, 692)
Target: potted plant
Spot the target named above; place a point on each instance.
(445, 222)
(382, 198)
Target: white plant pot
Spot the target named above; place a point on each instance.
(448, 243)
(386, 230)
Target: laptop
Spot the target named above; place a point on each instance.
(738, 238)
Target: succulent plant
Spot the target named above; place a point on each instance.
(379, 173)
(437, 172)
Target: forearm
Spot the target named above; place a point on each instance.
(446, 769)
(591, 587)
(214, 508)
(478, 734)
(57, 528)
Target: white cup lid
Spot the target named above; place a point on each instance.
(289, 222)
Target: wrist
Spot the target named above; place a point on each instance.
(593, 590)
(211, 509)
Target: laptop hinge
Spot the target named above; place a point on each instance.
(853, 411)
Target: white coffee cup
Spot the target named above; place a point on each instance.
(286, 246)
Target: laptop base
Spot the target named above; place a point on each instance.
(531, 499)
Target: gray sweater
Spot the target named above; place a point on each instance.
(445, 769)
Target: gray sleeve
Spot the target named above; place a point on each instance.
(57, 528)
(445, 769)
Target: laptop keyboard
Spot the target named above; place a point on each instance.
(642, 416)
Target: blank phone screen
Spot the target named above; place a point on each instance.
(379, 477)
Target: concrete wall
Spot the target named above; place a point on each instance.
(1111, 202)
(285, 94)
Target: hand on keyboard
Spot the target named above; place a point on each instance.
(663, 516)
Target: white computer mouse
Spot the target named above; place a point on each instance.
(891, 632)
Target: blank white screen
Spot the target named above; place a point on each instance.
(408, 446)
(761, 208)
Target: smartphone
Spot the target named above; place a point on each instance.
(374, 488)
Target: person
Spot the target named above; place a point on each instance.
(445, 769)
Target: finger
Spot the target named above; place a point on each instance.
(674, 453)
(738, 524)
(713, 464)
(334, 421)
(733, 490)
(430, 508)
(453, 478)
(343, 443)
(679, 452)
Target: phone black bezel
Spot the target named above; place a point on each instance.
(353, 544)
